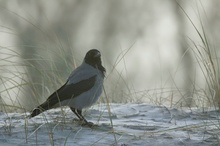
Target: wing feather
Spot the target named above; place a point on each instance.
(67, 91)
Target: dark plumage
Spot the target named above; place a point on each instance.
(82, 89)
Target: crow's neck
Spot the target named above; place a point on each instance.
(97, 64)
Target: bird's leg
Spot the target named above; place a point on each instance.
(78, 113)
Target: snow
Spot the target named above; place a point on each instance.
(133, 124)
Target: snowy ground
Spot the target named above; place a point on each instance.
(133, 124)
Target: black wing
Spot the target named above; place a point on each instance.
(65, 92)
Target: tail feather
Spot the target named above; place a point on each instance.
(35, 112)
(43, 107)
(52, 100)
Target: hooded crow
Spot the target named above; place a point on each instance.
(81, 90)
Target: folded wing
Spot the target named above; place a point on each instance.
(67, 91)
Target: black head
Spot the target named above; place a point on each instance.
(93, 58)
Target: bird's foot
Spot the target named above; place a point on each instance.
(85, 123)
(89, 124)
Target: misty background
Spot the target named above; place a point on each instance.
(146, 48)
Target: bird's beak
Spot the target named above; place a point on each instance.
(98, 54)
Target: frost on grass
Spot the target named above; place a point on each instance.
(133, 124)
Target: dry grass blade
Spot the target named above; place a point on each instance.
(206, 59)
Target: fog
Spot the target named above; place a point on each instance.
(147, 48)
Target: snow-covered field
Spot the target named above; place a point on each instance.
(133, 124)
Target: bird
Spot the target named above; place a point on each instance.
(81, 90)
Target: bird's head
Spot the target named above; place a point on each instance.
(92, 54)
(93, 58)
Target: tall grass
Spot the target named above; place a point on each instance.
(206, 56)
